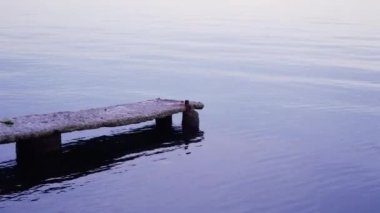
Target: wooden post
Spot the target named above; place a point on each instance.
(34, 150)
(190, 119)
(164, 123)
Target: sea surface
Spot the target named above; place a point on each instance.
(291, 91)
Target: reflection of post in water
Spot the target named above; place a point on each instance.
(85, 157)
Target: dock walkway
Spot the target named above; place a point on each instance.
(35, 126)
(38, 134)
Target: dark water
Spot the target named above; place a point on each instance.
(291, 90)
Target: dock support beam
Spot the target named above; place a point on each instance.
(164, 123)
(34, 150)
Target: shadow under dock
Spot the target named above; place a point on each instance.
(84, 157)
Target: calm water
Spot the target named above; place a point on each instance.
(291, 90)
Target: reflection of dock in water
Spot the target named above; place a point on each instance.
(81, 158)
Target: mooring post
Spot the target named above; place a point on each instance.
(164, 123)
(36, 149)
(190, 118)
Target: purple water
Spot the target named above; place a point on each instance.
(291, 93)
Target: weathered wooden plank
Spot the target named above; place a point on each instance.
(39, 125)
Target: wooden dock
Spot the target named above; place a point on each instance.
(42, 132)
